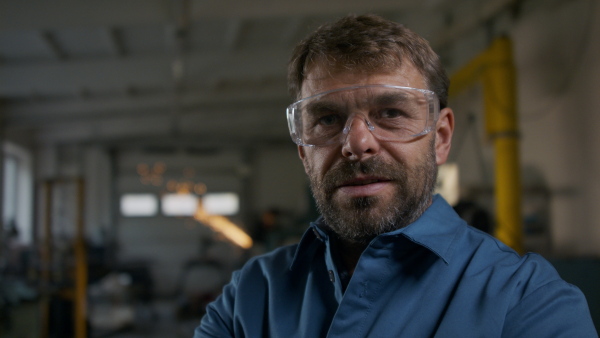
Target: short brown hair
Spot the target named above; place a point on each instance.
(366, 43)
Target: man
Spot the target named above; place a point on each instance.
(387, 258)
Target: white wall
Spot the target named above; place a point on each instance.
(557, 54)
(280, 180)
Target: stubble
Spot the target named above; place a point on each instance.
(358, 220)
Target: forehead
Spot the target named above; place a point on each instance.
(320, 79)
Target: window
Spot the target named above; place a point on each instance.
(137, 205)
(225, 204)
(17, 191)
(179, 204)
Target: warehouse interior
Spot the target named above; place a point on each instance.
(146, 155)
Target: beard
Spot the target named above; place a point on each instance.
(360, 219)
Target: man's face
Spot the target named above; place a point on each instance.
(364, 186)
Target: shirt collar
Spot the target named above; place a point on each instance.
(435, 230)
(312, 238)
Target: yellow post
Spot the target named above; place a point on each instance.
(495, 68)
(81, 277)
(499, 80)
(46, 261)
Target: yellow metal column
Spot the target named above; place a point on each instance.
(499, 80)
(46, 261)
(78, 294)
(495, 68)
(81, 276)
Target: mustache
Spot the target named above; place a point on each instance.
(346, 170)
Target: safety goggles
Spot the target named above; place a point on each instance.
(391, 113)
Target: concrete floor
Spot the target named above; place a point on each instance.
(160, 322)
(151, 321)
(22, 322)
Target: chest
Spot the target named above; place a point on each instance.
(386, 297)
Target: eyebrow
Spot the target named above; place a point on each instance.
(383, 99)
(316, 108)
(389, 98)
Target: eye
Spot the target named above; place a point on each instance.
(390, 113)
(328, 120)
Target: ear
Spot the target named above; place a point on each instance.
(443, 139)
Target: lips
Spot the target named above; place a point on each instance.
(362, 181)
(365, 186)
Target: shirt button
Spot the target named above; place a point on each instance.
(331, 276)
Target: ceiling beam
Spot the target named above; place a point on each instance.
(34, 115)
(230, 125)
(233, 34)
(485, 11)
(109, 75)
(117, 42)
(38, 14)
(276, 8)
(53, 45)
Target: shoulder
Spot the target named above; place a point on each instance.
(275, 261)
(504, 270)
(527, 289)
(485, 252)
(544, 304)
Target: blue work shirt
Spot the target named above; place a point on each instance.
(438, 277)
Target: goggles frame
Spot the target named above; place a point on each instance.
(293, 116)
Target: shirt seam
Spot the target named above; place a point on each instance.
(533, 292)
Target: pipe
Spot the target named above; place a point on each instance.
(495, 69)
(81, 266)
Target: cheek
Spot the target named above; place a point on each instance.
(413, 152)
(398, 154)
(318, 161)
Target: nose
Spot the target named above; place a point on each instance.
(360, 143)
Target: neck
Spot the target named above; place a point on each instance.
(348, 253)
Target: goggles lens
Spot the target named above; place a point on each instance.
(392, 113)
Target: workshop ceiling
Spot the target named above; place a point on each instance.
(206, 72)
